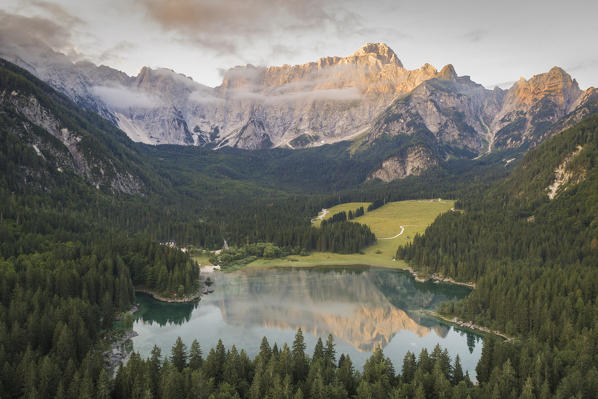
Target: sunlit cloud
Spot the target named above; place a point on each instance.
(227, 26)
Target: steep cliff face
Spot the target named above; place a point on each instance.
(454, 109)
(156, 107)
(73, 154)
(412, 161)
(60, 138)
(565, 176)
(586, 105)
(374, 68)
(532, 106)
(328, 100)
(76, 80)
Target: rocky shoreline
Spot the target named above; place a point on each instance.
(206, 288)
(436, 278)
(122, 347)
(120, 351)
(470, 325)
(185, 299)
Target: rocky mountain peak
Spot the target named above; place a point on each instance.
(555, 84)
(148, 74)
(374, 68)
(556, 71)
(448, 73)
(557, 76)
(427, 69)
(164, 82)
(380, 51)
(145, 77)
(240, 76)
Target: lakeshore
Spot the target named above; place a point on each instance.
(158, 297)
(469, 325)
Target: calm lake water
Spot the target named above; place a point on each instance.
(361, 307)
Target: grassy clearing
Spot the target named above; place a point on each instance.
(201, 257)
(385, 222)
(358, 142)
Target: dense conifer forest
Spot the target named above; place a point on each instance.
(73, 249)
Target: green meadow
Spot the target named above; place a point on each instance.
(414, 216)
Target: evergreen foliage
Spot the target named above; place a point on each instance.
(291, 373)
(376, 204)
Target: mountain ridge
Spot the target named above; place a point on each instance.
(366, 94)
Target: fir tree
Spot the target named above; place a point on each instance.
(195, 359)
(318, 350)
(178, 355)
(330, 352)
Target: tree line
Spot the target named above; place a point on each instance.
(289, 372)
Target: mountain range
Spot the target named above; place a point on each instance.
(363, 97)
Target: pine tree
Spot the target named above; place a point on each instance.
(318, 350)
(178, 354)
(419, 392)
(60, 392)
(484, 366)
(409, 367)
(154, 367)
(528, 390)
(330, 352)
(346, 374)
(255, 391)
(424, 362)
(64, 347)
(457, 376)
(298, 356)
(508, 380)
(317, 388)
(195, 359)
(103, 386)
(545, 391)
(220, 359)
(265, 351)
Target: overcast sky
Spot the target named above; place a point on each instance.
(495, 42)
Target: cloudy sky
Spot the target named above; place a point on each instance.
(495, 42)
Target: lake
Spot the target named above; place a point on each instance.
(362, 307)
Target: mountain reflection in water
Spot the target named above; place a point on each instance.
(365, 306)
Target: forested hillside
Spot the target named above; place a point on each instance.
(531, 246)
